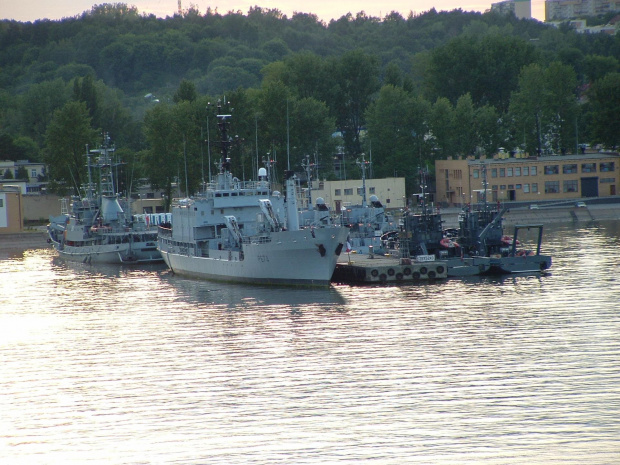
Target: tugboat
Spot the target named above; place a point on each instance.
(479, 246)
(481, 233)
(98, 227)
(425, 238)
(245, 232)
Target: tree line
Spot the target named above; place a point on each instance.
(402, 91)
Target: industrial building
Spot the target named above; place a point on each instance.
(526, 179)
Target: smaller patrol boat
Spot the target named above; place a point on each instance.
(369, 223)
(98, 227)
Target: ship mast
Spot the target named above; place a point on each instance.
(363, 165)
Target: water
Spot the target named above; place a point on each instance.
(138, 366)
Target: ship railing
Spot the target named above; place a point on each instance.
(256, 239)
(164, 230)
(249, 187)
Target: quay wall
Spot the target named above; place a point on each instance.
(545, 215)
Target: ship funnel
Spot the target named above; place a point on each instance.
(110, 208)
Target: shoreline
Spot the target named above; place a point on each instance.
(37, 239)
(545, 215)
(23, 241)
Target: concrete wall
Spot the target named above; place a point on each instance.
(37, 207)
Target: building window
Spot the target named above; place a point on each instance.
(570, 186)
(502, 172)
(518, 186)
(360, 191)
(493, 172)
(569, 169)
(588, 167)
(33, 173)
(517, 171)
(526, 188)
(476, 174)
(534, 187)
(511, 186)
(608, 180)
(552, 187)
(509, 172)
(348, 191)
(533, 171)
(607, 167)
(502, 186)
(337, 192)
(1, 203)
(371, 190)
(526, 171)
(552, 169)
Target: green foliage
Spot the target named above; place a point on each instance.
(604, 98)
(67, 137)
(545, 108)
(494, 80)
(21, 173)
(186, 92)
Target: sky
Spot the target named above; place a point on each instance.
(32, 10)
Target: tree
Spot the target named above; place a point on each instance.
(185, 92)
(488, 130)
(442, 123)
(544, 108)
(604, 98)
(397, 126)
(465, 140)
(311, 129)
(37, 107)
(67, 137)
(21, 173)
(527, 106)
(356, 80)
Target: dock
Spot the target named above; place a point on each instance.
(379, 269)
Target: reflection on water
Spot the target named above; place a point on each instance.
(136, 365)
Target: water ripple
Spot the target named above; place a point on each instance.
(138, 366)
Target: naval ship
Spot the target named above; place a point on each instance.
(246, 232)
(97, 227)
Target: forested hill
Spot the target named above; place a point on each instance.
(435, 84)
(139, 53)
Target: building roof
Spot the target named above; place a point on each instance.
(546, 158)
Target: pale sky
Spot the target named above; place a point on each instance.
(31, 10)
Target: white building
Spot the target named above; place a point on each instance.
(521, 8)
(557, 10)
(31, 185)
(343, 193)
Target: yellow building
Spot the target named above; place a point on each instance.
(527, 179)
(11, 210)
(341, 194)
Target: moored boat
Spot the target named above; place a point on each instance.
(98, 227)
(246, 232)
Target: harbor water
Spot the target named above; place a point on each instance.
(110, 365)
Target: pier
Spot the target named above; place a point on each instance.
(380, 269)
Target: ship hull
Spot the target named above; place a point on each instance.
(295, 258)
(520, 264)
(110, 254)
